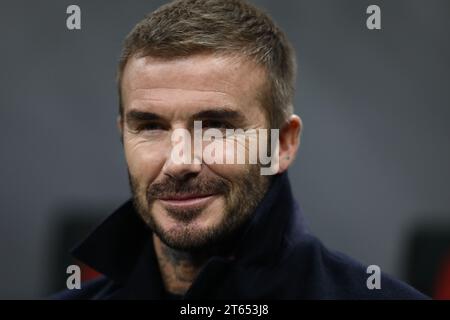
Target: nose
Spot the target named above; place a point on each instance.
(184, 160)
(181, 171)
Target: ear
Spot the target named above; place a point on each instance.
(119, 123)
(289, 141)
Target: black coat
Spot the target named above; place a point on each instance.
(277, 258)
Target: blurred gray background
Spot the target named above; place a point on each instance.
(374, 160)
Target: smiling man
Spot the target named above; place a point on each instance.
(212, 229)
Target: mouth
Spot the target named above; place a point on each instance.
(187, 201)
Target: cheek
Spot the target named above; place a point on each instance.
(229, 172)
(144, 159)
(235, 156)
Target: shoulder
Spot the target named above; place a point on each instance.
(333, 275)
(90, 290)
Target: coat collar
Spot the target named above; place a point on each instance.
(121, 245)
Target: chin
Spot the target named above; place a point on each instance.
(186, 237)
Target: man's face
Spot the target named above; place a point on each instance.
(196, 205)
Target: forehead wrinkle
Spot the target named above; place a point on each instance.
(220, 72)
(148, 91)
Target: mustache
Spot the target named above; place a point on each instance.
(172, 187)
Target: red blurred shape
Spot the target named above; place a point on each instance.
(442, 291)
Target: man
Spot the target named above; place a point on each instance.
(213, 229)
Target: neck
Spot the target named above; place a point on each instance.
(178, 268)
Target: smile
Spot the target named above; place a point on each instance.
(187, 201)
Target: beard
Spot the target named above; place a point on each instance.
(241, 198)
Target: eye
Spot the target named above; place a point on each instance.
(216, 124)
(151, 127)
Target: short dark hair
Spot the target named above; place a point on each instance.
(187, 27)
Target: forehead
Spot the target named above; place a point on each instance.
(195, 80)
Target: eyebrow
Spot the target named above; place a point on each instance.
(221, 113)
(135, 115)
(216, 113)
